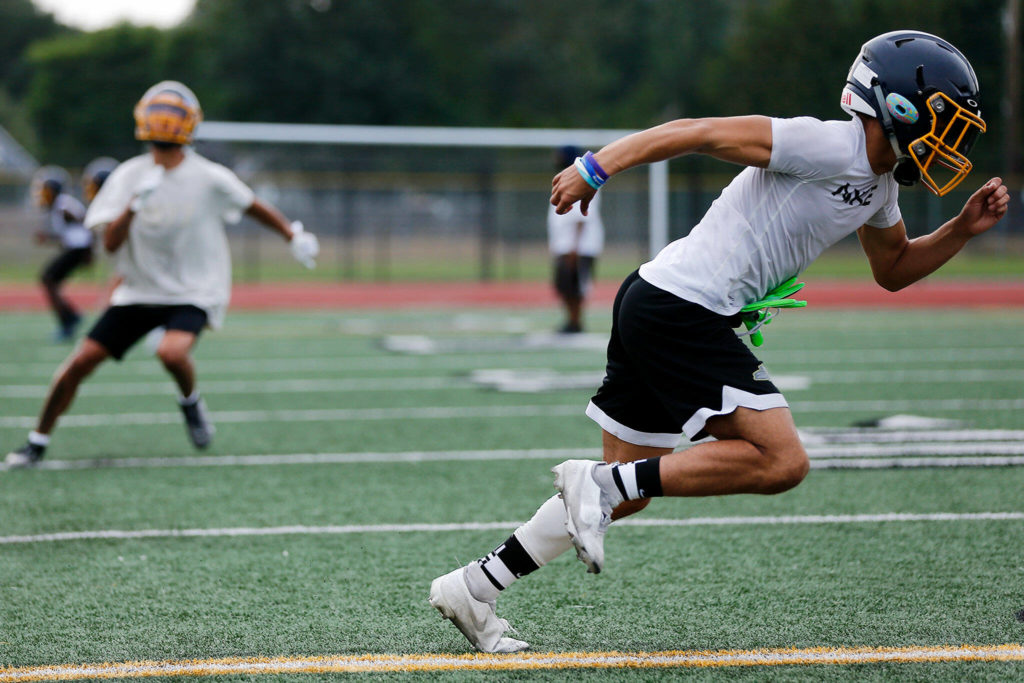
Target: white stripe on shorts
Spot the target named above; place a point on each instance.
(630, 435)
(733, 398)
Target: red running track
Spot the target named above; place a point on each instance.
(342, 295)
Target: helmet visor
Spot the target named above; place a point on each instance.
(941, 154)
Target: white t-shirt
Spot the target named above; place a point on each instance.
(66, 216)
(769, 224)
(176, 251)
(564, 235)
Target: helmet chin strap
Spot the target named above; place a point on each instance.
(905, 172)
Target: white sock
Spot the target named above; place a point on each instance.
(604, 478)
(37, 439)
(530, 547)
(190, 400)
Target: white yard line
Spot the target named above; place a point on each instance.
(462, 412)
(571, 379)
(858, 456)
(792, 360)
(330, 530)
(322, 415)
(266, 386)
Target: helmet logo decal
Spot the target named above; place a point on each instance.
(901, 108)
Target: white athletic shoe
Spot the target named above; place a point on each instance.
(28, 455)
(450, 595)
(588, 510)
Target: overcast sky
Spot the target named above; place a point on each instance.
(94, 14)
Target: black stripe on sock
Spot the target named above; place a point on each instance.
(617, 478)
(648, 477)
(515, 557)
(491, 578)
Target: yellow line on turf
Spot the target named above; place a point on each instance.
(1013, 652)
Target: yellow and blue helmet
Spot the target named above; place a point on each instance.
(168, 112)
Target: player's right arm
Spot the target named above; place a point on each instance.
(116, 231)
(745, 140)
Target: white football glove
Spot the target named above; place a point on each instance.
(305, 246)
(149, 181)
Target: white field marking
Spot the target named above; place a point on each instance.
(463, 412)
(913, 463)
(526, 661)
(418, 344)
(267, 386)
(927, 376)
(924, 448)
(334, 530)
(321, 458)
(322, 415)
(526, 380)
(370, 362)
(575, 357)
(864, 456)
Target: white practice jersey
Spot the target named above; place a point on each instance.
(65, 218)
(176, 251)
(769, 224)
(565, 236)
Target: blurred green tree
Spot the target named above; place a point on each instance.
(84, 87)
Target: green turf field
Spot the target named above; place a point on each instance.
(314, 524)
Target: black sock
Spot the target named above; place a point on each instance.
(640, 479)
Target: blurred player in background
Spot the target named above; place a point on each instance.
(675, 364)
(575, 240)
(64, 226)
(162, 214)
(94, 175)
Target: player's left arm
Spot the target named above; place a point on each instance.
(271, 217)
(304, 245)
(897, 261)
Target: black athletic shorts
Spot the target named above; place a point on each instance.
(65, 262)
(572, 281)
(672, 365)
(120, 327)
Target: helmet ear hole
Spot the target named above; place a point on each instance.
(906, 173)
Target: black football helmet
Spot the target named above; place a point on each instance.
(48, 182)
(924, 93)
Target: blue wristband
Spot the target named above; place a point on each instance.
(594, 167)
(585, 174)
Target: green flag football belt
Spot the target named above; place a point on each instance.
(761, 312)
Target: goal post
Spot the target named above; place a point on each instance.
(297, 139)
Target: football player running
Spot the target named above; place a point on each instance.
(675, 364)
(64, 225)
(162, 215)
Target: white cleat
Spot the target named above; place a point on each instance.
(28, 455)
(588, 510)
(449, 595)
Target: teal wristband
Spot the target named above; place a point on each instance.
(584, 174)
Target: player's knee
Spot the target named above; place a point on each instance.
(172, 356)
(789, 467)
(81, 365)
